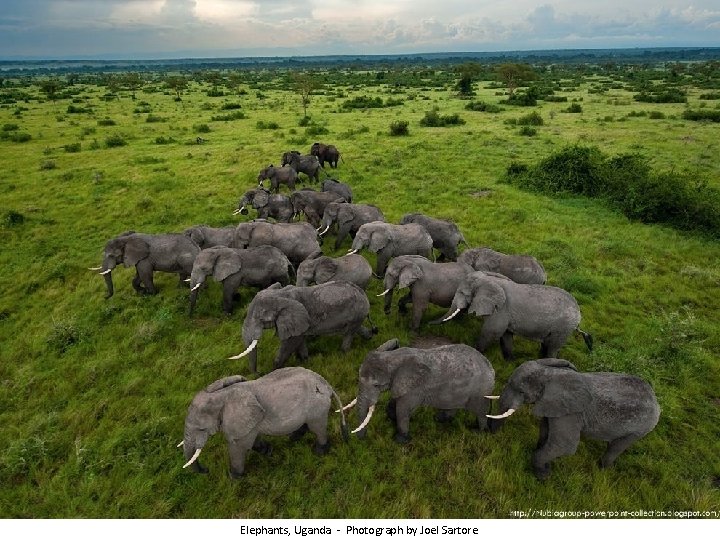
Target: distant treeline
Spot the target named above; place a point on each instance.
(373, 62)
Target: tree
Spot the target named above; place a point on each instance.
(133, 82)
(304, 84)
(468, 73)
(176, 83)
(51, 87)
(513, 75)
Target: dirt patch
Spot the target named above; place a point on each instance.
(428, 342)
(481, 194)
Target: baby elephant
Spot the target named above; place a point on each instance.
(353, 268)
(450, 377)
(288, 401)
(520, 268)
(612, 407)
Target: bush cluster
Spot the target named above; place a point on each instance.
(399, 128)
(481, 106)
(237, 115)
(711, 115)
(628, 183)
(433, 118)
(667, 95)
(366, 102)
(532, 119)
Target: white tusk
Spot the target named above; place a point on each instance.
(96, 268)
(236, 212)
(193, 459)
(348, 406)
(491, 397)
(352, 251)
(326, 230)
(180, 444)
(503, 415)
(366, 421)
(246, 351)
(196, 287)
(320, 227)
(188, 280)
(451, 316)
(105, 272)
(384, 292)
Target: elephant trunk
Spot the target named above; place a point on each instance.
(252, 331)
(390, 284)
(365, 408)
(106, 273)
(193, 443)
(510, 401)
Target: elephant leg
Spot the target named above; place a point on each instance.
(298, 433)
(403, 302)
(506, 346)
(181, 281)
(419, 307)
(287, 348)
(542, 439)
(551, 345)
(404, 407)
(445, 416)
(391, 410)
(145, 272)
(228, 297)
(347, 341)
(492, 330)
(262, 447)
(562, 440)
(480, 407)
(617, 447)
(382, 260)
(343, 231)
(319, 427)
(238, 451)
(137, 283)
(388, 302)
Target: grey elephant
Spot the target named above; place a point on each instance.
(308, 165)
(148, 253)
(268, 205)
(335, 186)
(445, 234)
(288, 401)
(278, 175)
(312, 203)
(253, 267)
(207, 237)
(612, 407)
(296, 313)
(353, 268)
(349, 219)
(297, 241)
(449, 378)
(325, 152)
(429, 283)
(388, 241)
(537, 312)
(519, 268)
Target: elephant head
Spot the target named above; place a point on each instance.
(224, 404)
(316, 270)
(127, 249)
(335, 212)
(552, 385)
(257, 198)
(480, 294)
(272, 308)
(265, 174)
(220, 262)
(253, 233)
(373, 236)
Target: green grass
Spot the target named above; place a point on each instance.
(94, 391)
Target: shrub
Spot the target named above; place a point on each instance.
(164, 140)
(72, 109)
(712, 116)
(72, 147)
(483, 107)
(201, 128)
(399, 128)
(656, 115)
(62, 336)
(48, 165)
(573, 108)
(314, 130)
(215, 92)
(555, 99)
(524, 99)
(666, 95)
(13, 218)
(153, 118)
(363, 102)
(113, 141)
(237, 115)
(532, 119)
(10, 127)
(528, 131)
(261, 124)
(230, 106)
(106, 122)
(433, 118)
(304, 121)
(710, 96)
(19, 137)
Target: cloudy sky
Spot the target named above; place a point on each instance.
(204, 28)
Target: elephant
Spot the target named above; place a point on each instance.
(445, 234)
(429, 282)
(335, 186)
(614, 407)
(353, 268)
(537, 312)
(449, 377)
(253, 267)
(325, 152)
(207, 237)
(349, 218)
(520, 268)
(296, 313)
(297, 241)
(388, 240)
(312, 203)
(278, 175)
(268, 205)
(309, 165)
(148, 253)
(288, 401)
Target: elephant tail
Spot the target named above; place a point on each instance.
(587, 338)
(373, 327)
(343, 422)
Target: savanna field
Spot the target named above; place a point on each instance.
(94, 391)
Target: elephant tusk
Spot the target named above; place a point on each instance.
(366, 421)
(181, 443)
(188, 280)
(348, 406)
(491, 397)
(384, 292)
(326, 230)
(352, 251)
(246, 351)
(451, 316)
(320, 227)
(193, 459)
(95, 268)
(236, 212)
(106, 272)
(196, 287)
(503, 415)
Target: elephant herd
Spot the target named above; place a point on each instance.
(507, 291)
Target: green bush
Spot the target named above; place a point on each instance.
(555, 99)
(483, 107)
(433, 118)
(19, 137)
(114, 141)
(528, 131)
(656, 115)
(230, 106)
(72, 109)
(237, 115)
(532, 119)
(106, 122)
(261, 124)
(710, 96)
(574, 108)
(48, 165)
(201, 128)
(154, 118)
(399, 128)
(10, 127)
(72, 148)
(164, 140)
(666, 95)
(363, 102)
(13, 218)
(314, 130)
(712, 116)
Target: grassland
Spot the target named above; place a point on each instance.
(94, 391)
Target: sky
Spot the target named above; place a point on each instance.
(143, 29)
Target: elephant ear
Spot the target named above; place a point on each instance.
(488, 297)
(260, 199)
(224, 383)
(557, 363)
(566, 393)
(226, 264)
(136, 249)
(241, 414)
(293, 320)
(261, 234)
(325, 270)
(378, 240)
(344, 214)
(410, 376)
(409, 275)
